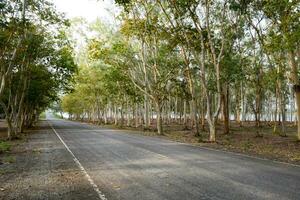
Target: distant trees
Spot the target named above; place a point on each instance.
(195, 63)
(282, 42)
(36, 62)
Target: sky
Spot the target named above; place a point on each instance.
(91, 10)
(88, 9)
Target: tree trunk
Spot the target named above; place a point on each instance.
(10, 130)
(116, 115)
(176, 110)
(212, 131)
(146, 112)
(297, 97)
(194, 118)
(159, 118)
(105, 114)
(282, 108)
(203, 113)
(128, 113)
(136, 115)
(225, 96)
(238, 106)
(184, 115)
(295, 77)
(122, 117)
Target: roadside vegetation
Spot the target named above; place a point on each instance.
(42, 115)
(36, 61)
(4, 146)
(225, 72)
(196, 63)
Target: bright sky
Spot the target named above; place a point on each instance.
(89, 9)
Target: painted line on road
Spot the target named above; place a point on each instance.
(95, 187)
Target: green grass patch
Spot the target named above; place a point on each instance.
(7, 171)
(9, 159)
(4, 146)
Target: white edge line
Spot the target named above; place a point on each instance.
(95, 187)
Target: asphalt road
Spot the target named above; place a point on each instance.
(130, 166)
(81, 161)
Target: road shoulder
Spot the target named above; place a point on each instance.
(43, 169)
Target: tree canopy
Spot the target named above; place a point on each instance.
(37, 62)
(196, 63)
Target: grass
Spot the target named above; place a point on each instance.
(9, 159)
(4, 146)
(7, 171)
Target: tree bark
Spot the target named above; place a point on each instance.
(212, 131)
(295, 78)
(159, 118)
(226, 108)
(146, 111)
(184, 115)
(238, 106)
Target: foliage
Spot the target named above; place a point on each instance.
(36, 60)
(224, 58)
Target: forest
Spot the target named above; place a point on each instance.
(199, 64)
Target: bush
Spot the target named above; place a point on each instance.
(42, 115)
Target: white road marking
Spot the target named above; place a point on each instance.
(95, 187)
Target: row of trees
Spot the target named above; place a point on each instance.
(194, 62)
(36, 60)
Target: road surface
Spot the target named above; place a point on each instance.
(100, 163)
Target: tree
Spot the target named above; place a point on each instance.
(30, 55)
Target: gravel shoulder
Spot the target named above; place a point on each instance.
(43, 169)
